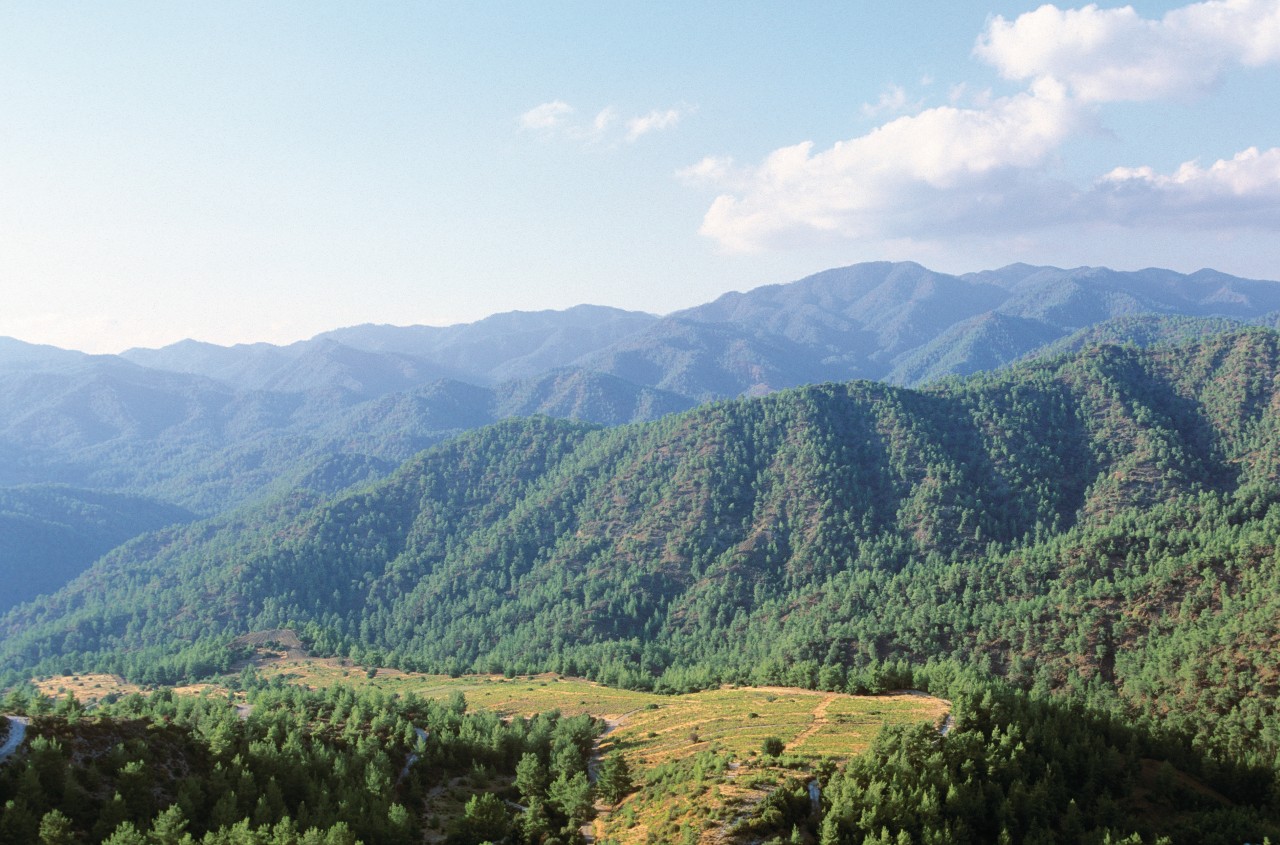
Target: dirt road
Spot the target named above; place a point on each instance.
(17, 733)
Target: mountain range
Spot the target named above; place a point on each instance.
(1085, 522)
(194, 429)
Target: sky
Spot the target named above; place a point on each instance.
(264, 171)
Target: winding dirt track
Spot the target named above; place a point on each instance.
(819, 721)
(17, 733)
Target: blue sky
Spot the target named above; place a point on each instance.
(264, 171)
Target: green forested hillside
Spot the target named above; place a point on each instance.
(1103, 523)
(210, 428)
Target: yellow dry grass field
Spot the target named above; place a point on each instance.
(86, 688)
(91, 688)
(814, 725)
(700, 756)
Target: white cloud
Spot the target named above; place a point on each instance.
(989, 167)
(927, 166)
(558, 118)
(1110, 55)
(1248, 29)
(547, 116)
(604, 119)
(892, 100)
(1240, 191)
(712, 170)
(654, 121)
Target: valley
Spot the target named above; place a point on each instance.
(1035, 603)
(505, 423)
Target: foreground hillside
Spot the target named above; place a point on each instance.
(1102, 523)
(384, 756)
(663, 739)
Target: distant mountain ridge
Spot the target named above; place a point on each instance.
(499, 348)
(880, 320)
(209, 428)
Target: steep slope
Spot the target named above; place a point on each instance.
(899, 322)
(48, 535)
(211, 428)
(861, 316)
(818, 528)
(986, 342)
(112, 425)
(706, 361)
(1146, 330)
(101, 422)
(1085, 295)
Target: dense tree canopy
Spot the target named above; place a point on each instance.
(292, 768)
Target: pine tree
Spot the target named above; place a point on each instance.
(55, 829)
(169, 827)
(125, 834)
(614, 781)
(531, 778)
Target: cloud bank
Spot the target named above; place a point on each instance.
(987, 168)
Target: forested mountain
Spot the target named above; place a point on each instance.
(109, 425)
(208, 428)
(499, 348)
(883, 320)
(1102, 523)
(504, 347)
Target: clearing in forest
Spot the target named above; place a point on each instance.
(697, 759)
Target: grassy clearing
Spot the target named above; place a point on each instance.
(507, 696)
(92, 688)
(812, 725)
(86, 688)
(697, 759)
(700, 757)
